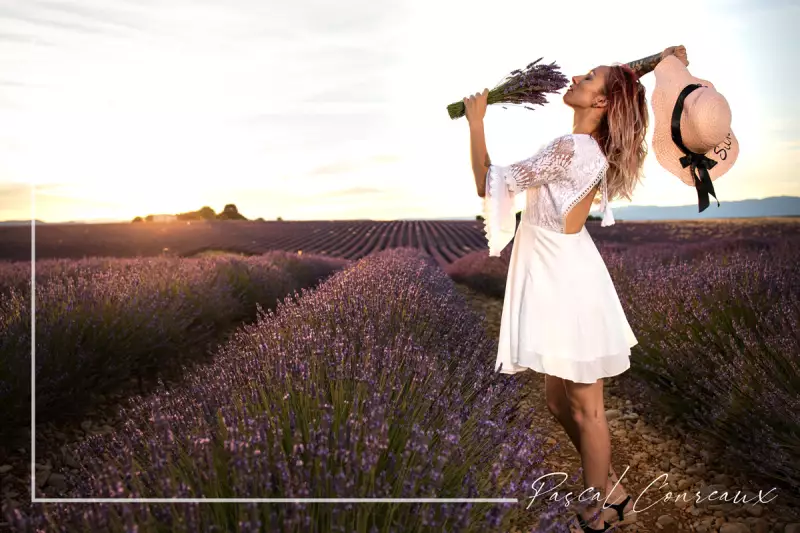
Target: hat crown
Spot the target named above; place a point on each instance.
(706, 119)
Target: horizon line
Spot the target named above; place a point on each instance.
(101, 220)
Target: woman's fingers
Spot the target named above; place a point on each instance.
(477, 95)
(468, 103)
(476, 104)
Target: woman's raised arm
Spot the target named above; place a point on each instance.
(479, 156)
(475, 107)
(648, 64)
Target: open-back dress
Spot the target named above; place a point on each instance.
(561, 313)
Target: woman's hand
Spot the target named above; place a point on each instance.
(475, 106)
(677, 51)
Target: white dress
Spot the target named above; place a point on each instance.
(561, 313)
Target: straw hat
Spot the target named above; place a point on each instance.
(704, 147)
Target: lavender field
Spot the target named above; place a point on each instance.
(446, 241)
(378, 383)
(367, 375)
(101, 323)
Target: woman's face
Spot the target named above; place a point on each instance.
(587, 88)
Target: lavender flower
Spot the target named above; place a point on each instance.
(527, 86)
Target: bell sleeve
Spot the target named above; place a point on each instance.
(503, 183)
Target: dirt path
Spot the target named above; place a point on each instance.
(649, 448)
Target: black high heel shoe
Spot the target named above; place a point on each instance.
(620, 509)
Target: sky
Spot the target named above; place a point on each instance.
(113, 109)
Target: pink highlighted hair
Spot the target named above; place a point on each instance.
(622, 131)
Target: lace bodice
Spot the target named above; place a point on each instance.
(554, 179)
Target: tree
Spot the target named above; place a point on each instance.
(206, 213)
(138, 219)
(280, 219)
(230, 213)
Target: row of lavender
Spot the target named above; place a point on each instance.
(488, 274)
(102, 322)
(377, 384)
(719, 341)
(720, 350)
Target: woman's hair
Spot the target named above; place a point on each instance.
(621, 132)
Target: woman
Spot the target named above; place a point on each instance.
(561, 313)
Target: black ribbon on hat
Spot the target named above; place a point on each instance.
(698, 163)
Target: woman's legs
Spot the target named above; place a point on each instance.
(586, 407)
(559, 405)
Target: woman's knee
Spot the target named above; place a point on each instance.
(556, 397)
(585, 402)
(585, 413)
(556, 407)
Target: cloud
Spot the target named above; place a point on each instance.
(94, 14)
(23, 39)
(58, 24)
(792, 144)
(321, 144)
(322, 17)
(71, 17)
(15, 200)
(12, 83)
(339, 167)
(345, 166)
(366, 87)
(18, 188)
(354, 191)
(741, 7)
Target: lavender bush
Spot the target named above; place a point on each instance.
(379, 383)
(719, 348)
(527, 86)
(482, 272)
(100, 323)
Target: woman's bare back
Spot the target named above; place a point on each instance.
(575, 219)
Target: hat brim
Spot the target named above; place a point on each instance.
(670, 80)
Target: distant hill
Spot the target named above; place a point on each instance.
(95, 221)
(776, 206)
(19, 222)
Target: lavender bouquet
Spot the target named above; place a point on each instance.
(527, 86)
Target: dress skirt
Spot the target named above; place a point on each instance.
(561, 313)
